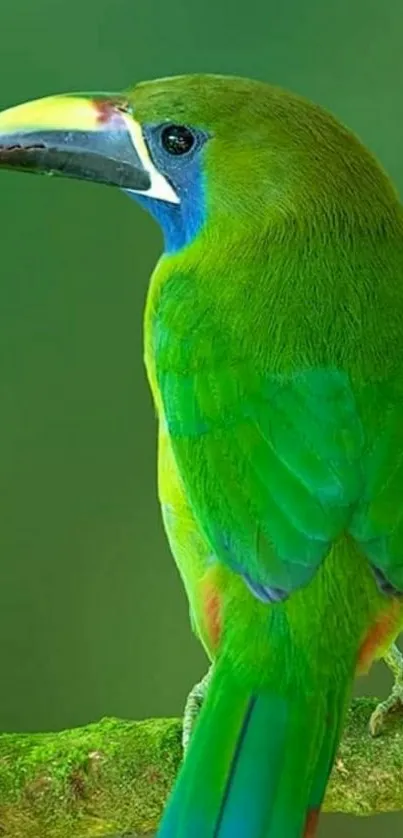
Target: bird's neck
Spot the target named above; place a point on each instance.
(296, 300)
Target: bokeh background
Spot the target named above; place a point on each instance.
(93, 620)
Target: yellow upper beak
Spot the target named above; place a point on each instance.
(54, 113)
(91, 137)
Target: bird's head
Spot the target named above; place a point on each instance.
(204, 153)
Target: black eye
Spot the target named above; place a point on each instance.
(177, 139)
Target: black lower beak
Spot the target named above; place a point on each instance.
(77, 137)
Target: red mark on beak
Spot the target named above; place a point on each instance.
(108, 109)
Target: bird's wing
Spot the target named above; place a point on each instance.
(272, 465)
(377, 522)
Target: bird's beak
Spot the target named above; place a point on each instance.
(89, 137)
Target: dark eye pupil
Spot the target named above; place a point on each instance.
(177, 139)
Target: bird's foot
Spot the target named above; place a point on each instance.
(394, 660)
(393, 703)
(192, 708)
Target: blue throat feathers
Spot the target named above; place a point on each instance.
(180, 223)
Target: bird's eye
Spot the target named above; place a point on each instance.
(177, 139)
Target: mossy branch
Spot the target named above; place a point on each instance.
(112, 778)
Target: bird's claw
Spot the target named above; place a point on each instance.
(394, 703)
(192, 708)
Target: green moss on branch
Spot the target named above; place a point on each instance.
(112, 777)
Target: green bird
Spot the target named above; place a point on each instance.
(274, 351)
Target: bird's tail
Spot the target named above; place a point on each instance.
(258, 764)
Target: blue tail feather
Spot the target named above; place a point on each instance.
(256, 763)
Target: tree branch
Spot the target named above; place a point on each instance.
(112, 778)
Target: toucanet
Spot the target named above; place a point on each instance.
(273, 340)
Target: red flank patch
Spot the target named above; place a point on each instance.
(212, 612)
(386, 627)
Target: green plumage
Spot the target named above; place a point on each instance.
(274, 351)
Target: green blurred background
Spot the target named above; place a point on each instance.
(93, 620)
